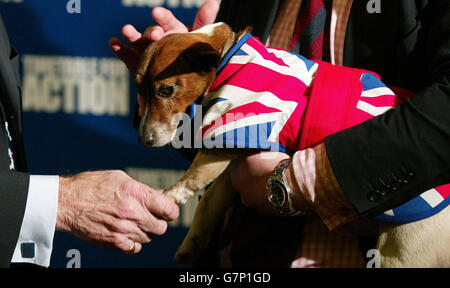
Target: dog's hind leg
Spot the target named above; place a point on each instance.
(210, 211)
(207, 166)
(421, 244)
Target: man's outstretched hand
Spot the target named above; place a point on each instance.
(111, 209)
(167, 23)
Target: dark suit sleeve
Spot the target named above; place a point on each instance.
(393, 158)
(13, 184)
(13, 197)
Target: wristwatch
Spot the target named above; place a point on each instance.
(278, 191)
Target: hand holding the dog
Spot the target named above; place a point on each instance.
(167, 23)
(111, 209)
(250, 175)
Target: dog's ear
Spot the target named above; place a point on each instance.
(202, 56)
(143, 64)
(247, 29)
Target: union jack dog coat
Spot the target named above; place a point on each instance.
(271, 99)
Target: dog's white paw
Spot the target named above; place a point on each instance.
(179, 194)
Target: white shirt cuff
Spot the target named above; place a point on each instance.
(38, 226)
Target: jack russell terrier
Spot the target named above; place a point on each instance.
(254, 97)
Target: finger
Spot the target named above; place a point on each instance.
(131, 34)
(136, 40)
(146, 222)
(107, 238)
(206, 14)
(154, 33)
(152, 225)
(161, 205)
(137, 247)
(129, 229)
(122, 223)
(168, 22)
(127, 245)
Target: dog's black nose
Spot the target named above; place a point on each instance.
(146, 140)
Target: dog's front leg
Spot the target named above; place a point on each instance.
(210, 211)
(207, 166)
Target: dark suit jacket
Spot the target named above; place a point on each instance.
(13, 184)
(401, 154)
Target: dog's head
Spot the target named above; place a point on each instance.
(172, 74)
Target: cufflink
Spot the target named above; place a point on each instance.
(27, 249)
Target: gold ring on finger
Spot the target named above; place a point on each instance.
(131, 249)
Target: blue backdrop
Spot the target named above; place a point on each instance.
(79, 101)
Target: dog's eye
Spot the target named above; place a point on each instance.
(165, 91)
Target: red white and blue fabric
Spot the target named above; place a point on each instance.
(271, 99)
(258, 98)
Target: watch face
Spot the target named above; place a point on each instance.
(277, 194)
